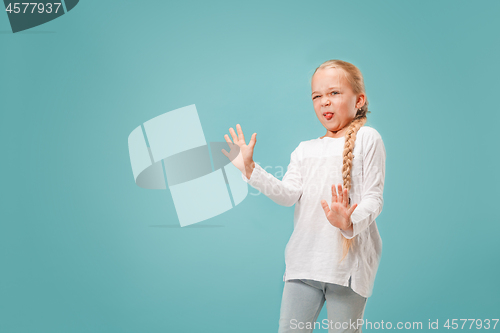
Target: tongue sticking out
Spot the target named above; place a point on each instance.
(328, 116)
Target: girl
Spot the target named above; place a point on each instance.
(334, 251)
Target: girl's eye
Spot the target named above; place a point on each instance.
(333, 93)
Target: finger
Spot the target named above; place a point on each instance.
(334, 194)
(228, 140)
(233, 135)
(341, 196)
(240, 133)
(349, 212)
(325, 207)
(253, 140)
(225, 153)
(346, 197)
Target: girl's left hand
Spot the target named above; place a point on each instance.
(339, 215)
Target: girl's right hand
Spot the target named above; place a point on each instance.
(241, 158)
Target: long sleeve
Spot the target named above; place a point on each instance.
(285, 192)
(370, 205)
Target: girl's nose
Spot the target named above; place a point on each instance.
(326, 102)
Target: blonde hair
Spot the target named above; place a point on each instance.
(355, 78)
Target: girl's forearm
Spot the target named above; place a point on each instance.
(284, 192)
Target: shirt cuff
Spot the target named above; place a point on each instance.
(254, 175)
(349, 234)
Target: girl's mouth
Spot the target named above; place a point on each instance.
(328, 115)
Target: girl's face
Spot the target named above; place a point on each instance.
(334, 101)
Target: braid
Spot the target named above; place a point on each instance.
(350, 139)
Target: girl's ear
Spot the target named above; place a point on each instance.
(360, 100)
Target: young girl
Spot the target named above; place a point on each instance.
(335, 248)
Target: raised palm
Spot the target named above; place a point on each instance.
(339, 213)
(240, 154)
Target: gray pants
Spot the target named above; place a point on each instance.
(303, 300)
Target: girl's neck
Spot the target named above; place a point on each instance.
(338, 134)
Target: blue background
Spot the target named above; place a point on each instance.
(84, 249)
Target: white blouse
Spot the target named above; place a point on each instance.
(315, 246)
